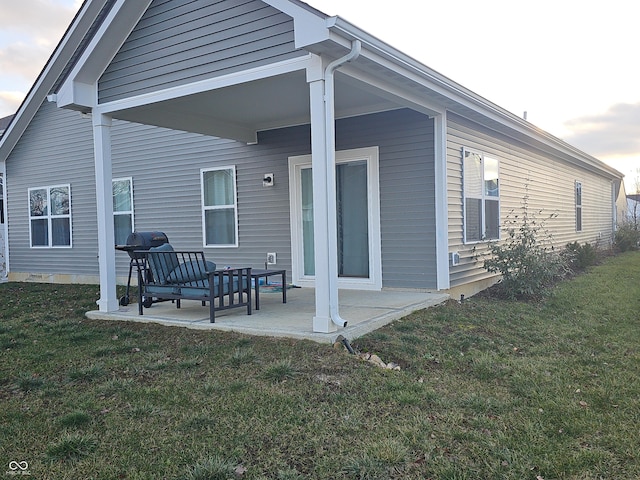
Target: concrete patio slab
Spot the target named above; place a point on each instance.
(365, 312)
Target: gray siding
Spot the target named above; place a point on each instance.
(56, 148)
(182, 41)
(407, 192)
(405, 140)
(550, 182)
(165, 166)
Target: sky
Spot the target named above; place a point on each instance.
(572, 65)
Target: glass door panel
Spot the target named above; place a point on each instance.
(307, 222)
(352, 217)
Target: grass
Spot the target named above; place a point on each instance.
(488, 389)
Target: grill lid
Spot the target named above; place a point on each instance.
(142, 241)
(146, 240)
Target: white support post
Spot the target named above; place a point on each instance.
(442, 213)
(323, 165)
(322, 320)
(108, 301)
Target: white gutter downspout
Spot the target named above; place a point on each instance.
(330, 132)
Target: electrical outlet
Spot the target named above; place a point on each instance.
(271, 258)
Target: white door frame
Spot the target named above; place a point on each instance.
(296, 164)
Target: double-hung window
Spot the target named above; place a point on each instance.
(578, 207)
(219, 207)
(481, 197)
(122, 209)
(50, 216)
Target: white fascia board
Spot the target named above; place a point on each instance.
(76, 96)
(80, 88)
(309, 27)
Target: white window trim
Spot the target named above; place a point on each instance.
(130, 212)
(223, 207)
(374, 282)
(49, 217)
(464, 202)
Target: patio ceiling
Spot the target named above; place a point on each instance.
(240, 111)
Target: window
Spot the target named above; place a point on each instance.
(219, 207)
(122, 209)
(481, 197)
(50, 216)
(578, 207)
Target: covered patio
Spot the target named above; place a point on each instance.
(324, 70)
(365, 312)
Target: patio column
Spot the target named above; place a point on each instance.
(108, 301)
(323, 166)
(442, 212)
(321, 215)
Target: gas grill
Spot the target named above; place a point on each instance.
(139, 241)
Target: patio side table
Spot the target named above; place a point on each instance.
(257, 274)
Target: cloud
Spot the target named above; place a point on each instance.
(23, 60)
(43, 20)
(9, 102)
(29, 32)
(615, 132)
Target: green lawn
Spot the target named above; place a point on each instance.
(488, 390)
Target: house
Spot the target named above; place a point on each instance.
(169, 115)
(4, 123)
(632, 210)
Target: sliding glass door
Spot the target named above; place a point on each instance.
(357, 218)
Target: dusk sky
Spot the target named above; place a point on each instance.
(572, 65)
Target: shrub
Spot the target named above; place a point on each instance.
(627, 237)
(526, 258)
(581, 256)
